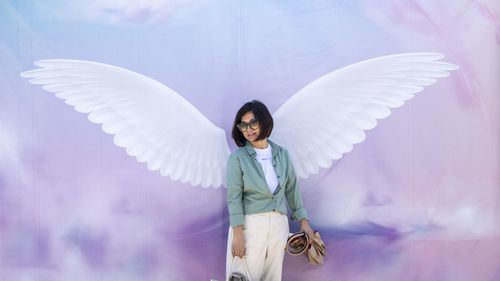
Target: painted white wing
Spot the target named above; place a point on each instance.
(150, 120)
(327, 117)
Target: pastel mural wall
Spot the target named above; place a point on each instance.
(418, 199)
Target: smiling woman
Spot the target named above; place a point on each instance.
(249, 126)
(260, 176)
(253, 122)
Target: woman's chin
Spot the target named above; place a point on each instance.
(251, 138)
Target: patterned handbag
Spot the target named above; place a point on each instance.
(297, 243)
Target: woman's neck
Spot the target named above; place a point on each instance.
(260, 143)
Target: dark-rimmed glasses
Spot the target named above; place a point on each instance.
(243, 126)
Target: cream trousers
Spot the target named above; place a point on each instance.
(265, 242)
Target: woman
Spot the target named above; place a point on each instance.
(260, 176)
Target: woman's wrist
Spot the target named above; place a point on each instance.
(238, 230)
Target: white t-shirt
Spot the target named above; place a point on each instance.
(265, 158)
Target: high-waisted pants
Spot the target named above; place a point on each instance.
(265, 242)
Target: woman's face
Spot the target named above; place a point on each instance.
(250, 134)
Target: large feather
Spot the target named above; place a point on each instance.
(150, 120)
(327, 117)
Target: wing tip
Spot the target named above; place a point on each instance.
(26, 74)
(451, 66)
(44, 62)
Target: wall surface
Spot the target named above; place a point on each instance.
(417, 200)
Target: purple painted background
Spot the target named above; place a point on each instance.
(418, 200)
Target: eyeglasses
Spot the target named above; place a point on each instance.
(243, 126)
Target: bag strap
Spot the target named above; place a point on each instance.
(247, 273)
(246, 269)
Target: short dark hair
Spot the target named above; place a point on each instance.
(261, 114)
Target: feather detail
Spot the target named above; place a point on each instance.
(151, 121)
(323, 120)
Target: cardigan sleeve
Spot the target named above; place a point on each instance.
(292, 193)
(234, 180)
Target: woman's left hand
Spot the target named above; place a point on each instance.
(304, 227)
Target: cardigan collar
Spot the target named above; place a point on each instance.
(274, 148)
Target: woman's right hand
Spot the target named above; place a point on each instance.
(238, 245)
